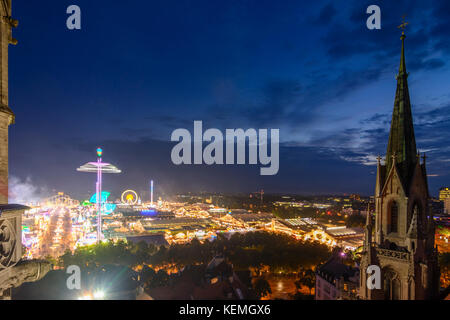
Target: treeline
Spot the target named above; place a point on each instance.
(355, 220)
(280, 253)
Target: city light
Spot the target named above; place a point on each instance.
(99, 294)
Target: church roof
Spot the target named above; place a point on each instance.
(413, 231)
(402, 142)
(335, 269)
(12, 207)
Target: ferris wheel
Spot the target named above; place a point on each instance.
(129, 197)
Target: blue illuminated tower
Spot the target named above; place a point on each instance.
(151, 193)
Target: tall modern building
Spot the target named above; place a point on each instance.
(401, 242)
(444, 193)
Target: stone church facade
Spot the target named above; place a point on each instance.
(401, 241)
(13, 270)
(6, 114)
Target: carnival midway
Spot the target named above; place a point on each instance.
(60, 223)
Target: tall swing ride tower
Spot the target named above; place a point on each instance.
(99, 167)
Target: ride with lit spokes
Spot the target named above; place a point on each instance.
(129, 197)
(99, 167)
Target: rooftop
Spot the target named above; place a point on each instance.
(12, 207)
(335, 269)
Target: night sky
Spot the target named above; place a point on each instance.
(137, 70)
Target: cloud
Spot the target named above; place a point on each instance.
(258, 64)
(25, 191)
(377, 118)
(326, 14)
(425, 34)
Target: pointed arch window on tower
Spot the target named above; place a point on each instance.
(392, 285)
(387, 289)
(393, 217)
(395, 287)
(411, 289)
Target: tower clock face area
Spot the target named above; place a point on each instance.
(221, 150)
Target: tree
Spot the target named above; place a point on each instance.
(307, 279)
(300, 296)
(261, 287)
(444, 263)
(51, 259)
(444, 259)
(160, 279)
(355, 220)
(147, 274)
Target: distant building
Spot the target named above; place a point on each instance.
(177, 224)
(436, 206)
(239, 211)
(336, 281)
(253, 220)
(447, 205)
(444, 193)
(157, 240)
(348, 238)
(355, 197)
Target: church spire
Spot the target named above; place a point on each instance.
(368, 233)
(402, 68)
(401, 211)
(402, 142)
(368, 217)
(413, 231)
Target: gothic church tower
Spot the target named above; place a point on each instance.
(13, 270)
(402, 241)
(6, 115)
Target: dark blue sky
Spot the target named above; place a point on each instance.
(140, 69)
